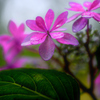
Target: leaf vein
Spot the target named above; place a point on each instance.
(32, 80)
(30, 90)
(50, 83)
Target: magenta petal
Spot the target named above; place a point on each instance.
(12, 28)
(79, 24)
(95, 4)
(96, 16)
(59, 29)
(47, 48)
(40, 23)
(5, 42)
(27, 40)
(34, 38)
(87, 4)
(61, 19)
(33, 26)
(4, 38)
(68, 39)
(21, 29)
(9, 57)
(75, 6)
(73, 17)
(87, 14)
(49, 18)
(38, 38)
(57, 35)
(21, 62)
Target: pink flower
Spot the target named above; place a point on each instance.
(44, 34)
(15, 63)
(80, 23)
(12, 43)
(18, 63)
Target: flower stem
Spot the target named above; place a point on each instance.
(67, 70)
(87, 32)
(91, 56)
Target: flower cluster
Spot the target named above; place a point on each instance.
(43, 32)
(80, 23)
(48, 33)
(11, 44)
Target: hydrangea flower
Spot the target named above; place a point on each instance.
(44, 34)
(12, 43)
(80, 23)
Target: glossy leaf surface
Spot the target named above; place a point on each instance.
(37, 84)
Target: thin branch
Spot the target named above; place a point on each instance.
(66, 69)
(90, 55)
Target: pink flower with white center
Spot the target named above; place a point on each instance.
(80, 23)
(44, 34)
(12, 43)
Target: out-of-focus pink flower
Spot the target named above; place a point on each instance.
(80, 23)
(43, 33)
(12, 43)
(97, 86)
(22, 61)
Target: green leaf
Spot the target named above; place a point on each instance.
(37, 84)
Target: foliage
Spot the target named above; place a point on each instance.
(29, 84)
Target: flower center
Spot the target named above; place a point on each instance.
(48, 32)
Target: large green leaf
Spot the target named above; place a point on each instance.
(37, 84)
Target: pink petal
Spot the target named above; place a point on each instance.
(12, 28)
(27, 40)
(21, 62)
(61, 19)
(73, 17)
(87, 14)
(79, 24)
(34, 38)
(96, 16)
(20, 35)
(4, 38)
(87, 4)
(68, 39)
(12, 54)
(40, 23)
(33, 26)
(49, 18)
(47, 48)
(5, 43)
(59, 29)
(38, 38)
(75, 7)
(95, 4)
(21, 29)
(57, 35)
